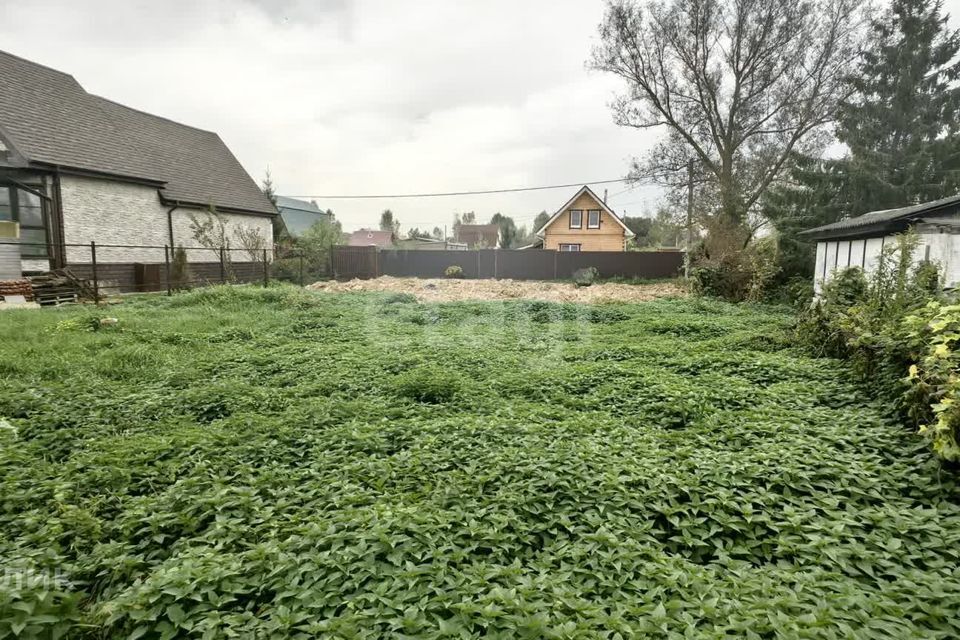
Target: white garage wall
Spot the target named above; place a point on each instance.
(944, 249)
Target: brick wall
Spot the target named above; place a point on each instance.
(111, 212)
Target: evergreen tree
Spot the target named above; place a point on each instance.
(903, 124)
(901, 127)
(508, 229)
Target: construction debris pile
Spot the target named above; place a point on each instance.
(447, 290)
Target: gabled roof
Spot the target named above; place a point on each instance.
(477, 234)
(585, 190)
(52, 121)
(370, 237)
(299, 215)
(886, 220)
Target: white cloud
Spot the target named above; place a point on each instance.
(365, 96)
(370, 96)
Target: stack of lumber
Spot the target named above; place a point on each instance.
(59, 287)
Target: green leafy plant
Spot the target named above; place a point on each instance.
(250, 462)
(934, 382)
(453, 271)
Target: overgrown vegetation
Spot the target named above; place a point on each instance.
(892, 323)
(255, 462)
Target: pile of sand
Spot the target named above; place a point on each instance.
(447, 290)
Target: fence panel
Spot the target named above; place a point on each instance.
(367, 262)
(527, 265)
(355, 262)
(624, 264)
(431, 264)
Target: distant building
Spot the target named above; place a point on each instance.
(430, 244)
(479, 236)
(584, 223)
(300, 215)
(370, 238)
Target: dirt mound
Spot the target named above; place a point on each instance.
(447, 290)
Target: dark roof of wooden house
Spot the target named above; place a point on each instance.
(49, 120)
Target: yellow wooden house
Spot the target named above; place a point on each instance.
(584, 223)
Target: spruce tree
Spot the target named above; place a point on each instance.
(902, 126)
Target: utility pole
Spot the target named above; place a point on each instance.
(686, 253)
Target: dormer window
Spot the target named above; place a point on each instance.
(593, 219)
(576, 218)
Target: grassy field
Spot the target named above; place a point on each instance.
(275, 463)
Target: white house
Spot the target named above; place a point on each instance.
(76, 168)
(857, 242)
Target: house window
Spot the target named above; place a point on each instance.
(576, 218)
(27, 209)
(569, 247)
(593, 219)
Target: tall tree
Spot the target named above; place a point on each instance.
(389, 223)
(508, 229)
(902, 125)
(268, 189)
(540, 220)
(739, 85)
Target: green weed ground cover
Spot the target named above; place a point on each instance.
(271, 463)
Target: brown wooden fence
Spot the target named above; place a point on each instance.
(369, 262)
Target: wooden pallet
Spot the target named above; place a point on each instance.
(55, 288)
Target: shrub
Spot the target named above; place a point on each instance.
(453, 271)
(888, 325)
(933, 396)
(737, 276)
(400, 298)
(585, 277)
(181, 277)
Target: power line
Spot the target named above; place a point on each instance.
(455, 193)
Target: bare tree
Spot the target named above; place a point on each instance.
(739, 85)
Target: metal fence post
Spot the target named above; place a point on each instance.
(93, 269)
(266, 269)
(166, 260)
(223, 270)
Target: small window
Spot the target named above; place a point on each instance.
(593, 219)
(569, 247)
(27, 209)
(576, 218)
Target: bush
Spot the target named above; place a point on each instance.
(933, 397)
(585, 277)
(453, 271)
(737, 276)
(400, 298)
(888, 325)
(181, 278)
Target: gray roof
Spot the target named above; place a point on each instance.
(50, 120)
(299, 215)
(884, 220)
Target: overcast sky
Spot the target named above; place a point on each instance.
(363, 96)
